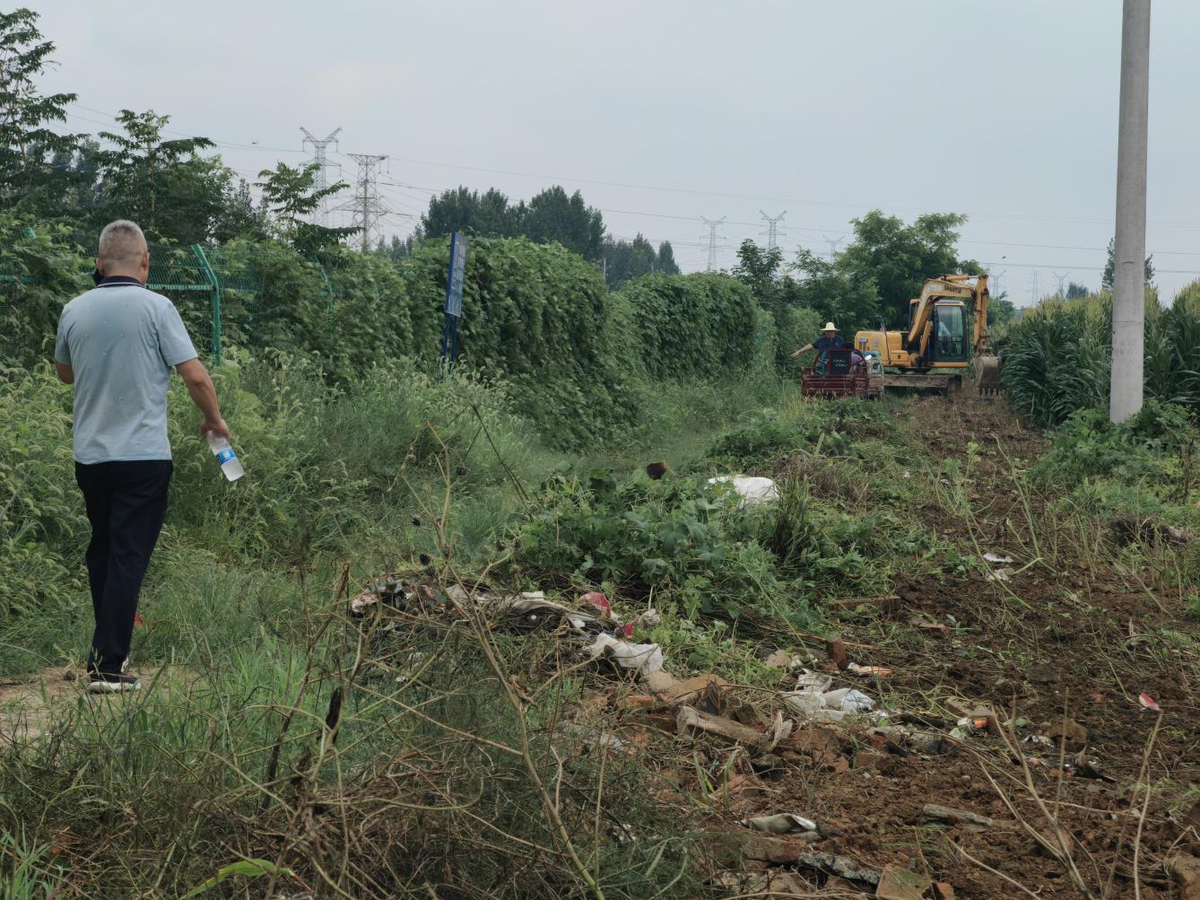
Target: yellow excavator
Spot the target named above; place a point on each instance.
(935, 350)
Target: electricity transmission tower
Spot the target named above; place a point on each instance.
(1061, 279)
(319, 148)
(366, 206)
(712, 239)
(772, 228)
(1033, 292)
(833, 245)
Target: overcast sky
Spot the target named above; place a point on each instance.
(663, 111)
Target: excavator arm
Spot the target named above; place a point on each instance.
(935, 289)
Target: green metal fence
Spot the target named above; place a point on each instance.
(196, 278)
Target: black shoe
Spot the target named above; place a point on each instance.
(112, 683)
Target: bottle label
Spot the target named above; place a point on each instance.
(224, 456)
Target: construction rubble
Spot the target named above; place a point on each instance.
(827, 713)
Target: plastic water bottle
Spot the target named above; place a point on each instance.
(230, 464)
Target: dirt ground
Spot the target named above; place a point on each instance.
(1064, 646)
(1074, 638)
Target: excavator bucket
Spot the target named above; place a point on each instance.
(987, 374)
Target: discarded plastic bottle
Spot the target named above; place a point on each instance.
(230, 464)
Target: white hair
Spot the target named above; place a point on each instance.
(122, 243)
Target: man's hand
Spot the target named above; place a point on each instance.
(204, 395)
(214, 426)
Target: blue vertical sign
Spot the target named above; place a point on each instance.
(454, 292)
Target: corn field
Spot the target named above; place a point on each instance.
(1058, 357)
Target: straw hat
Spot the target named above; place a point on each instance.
(829, 326)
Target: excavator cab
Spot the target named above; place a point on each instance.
(948, 338)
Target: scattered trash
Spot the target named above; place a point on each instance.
(901, 884)
(841, 867)
(808, 705)
(836, 648)
(645, 658)
(980, 717)
(709, 693)
(848, 700)
(999, 575)
(856, 669)
(1037, 739)
(599, 601)
(651, 618)
(534, 612)
(994, 558)
(781, 823)
(690, 720)
(950, 814)
(815, 682)
(750, 488)
(1147, 701)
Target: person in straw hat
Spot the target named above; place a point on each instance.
(830, 340)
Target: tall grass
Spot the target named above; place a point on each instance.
(1059, 356)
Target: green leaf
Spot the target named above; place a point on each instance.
(249, 868)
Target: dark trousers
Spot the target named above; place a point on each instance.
(126, 504)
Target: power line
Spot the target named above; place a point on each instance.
(660, 188)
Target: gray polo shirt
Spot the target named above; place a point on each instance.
(121, 340)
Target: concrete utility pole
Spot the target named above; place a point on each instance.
(320, 183)
(1128, 340)
(772, 228)
(712, 239)
(367, 207)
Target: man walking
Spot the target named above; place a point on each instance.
(116, 344)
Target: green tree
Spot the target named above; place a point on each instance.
(666, 259)
(553, 215)
(486, 215)
(163, 185)
(291, 197)
(846, 295)
(1075, 291)
(758, 269)
(27, 144)
(1106, 280)
(624, 260)
(898, 257)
